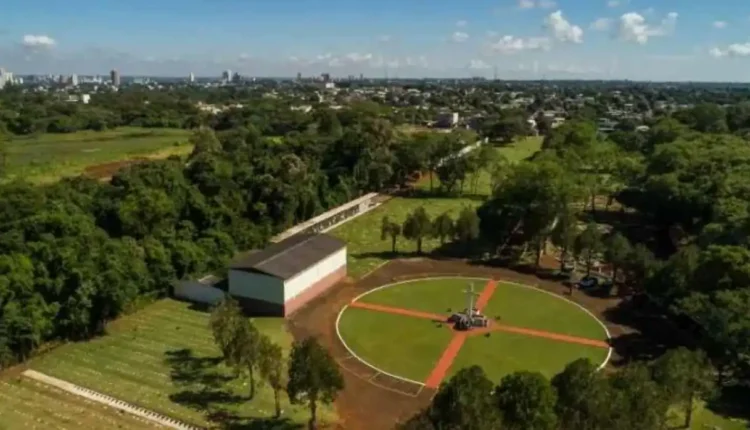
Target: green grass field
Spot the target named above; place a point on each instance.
(502, 353)
(365, 249)
(27, 404)
(512, 304)
(49, 157)
(163, 358)
(410, 347)
(401, 345)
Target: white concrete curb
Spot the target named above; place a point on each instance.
(363, 361)
(351, 352)
(109, 401)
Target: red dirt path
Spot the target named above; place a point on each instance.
(486, 294)
(376, 402)
(446, 361)
(398, 311)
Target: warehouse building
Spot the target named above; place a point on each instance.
(284, 276)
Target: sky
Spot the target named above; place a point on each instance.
(657, 40)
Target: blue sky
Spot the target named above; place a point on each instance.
(634, 39)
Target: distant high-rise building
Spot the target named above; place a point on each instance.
(114, 77)
(326, 77)
(6, 78)
(361, 77)
(74, 80)
(191, 78)
(299, 76)
(226, 76)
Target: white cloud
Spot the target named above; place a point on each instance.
(562, 29)
(355, 57)
(461, 23)
(541, 4)
(491, 33)
(459, 37)
(616, 3)
(510, 44)
(733, 50)
(38, 41)
(601, 24)
(384, 38)
(720, 24)
(634, 28)
(573, 69)
(478, 65)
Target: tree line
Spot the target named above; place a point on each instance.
(639, 396)
(309, 375)
(80, 252)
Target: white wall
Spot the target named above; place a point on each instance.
(256, 286)
(195, 291)
(323, 268)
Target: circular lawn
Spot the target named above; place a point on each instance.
(401, 330)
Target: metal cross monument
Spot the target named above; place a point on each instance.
(470, 294)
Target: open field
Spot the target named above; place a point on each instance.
(502, 353)
(411, 340)
(362, 234)
(49, 157)
(163, 358)
(401, 345)
(510, 304)
(27, 404)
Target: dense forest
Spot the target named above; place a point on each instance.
(80, 252)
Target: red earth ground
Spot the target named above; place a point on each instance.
(373, 401)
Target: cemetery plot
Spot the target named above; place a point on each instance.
(27, 404)
(163, 358)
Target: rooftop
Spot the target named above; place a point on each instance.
(289, 257)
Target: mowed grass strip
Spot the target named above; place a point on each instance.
(502, 353)
(440, 296)
(50, 157)
(28, 404)
(400, 345)
(365, 249)
(529, 307)
(362, 234)
(163, 358)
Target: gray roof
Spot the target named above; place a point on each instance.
(291, 256)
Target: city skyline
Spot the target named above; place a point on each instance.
(521, 39)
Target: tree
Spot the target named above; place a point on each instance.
(564, 233)
(204, 141)
(685, 376)
(417, 227)
(467, 226)
(237, 338)
(313, 376)
(389, 229)
(588, 246)
(636, 400)
(616, 251)
(580, 397)
(4, 138)
(272, 368)
(442, 227)
(526, 401)
(465, 402)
